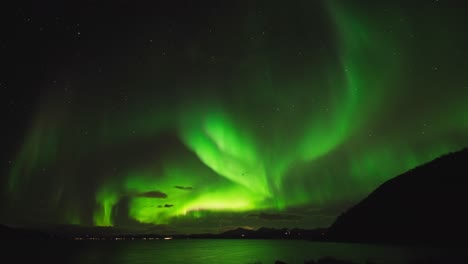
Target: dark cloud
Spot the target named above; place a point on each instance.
(152, 194)
(165, 206)
(280, 217)
(185, 188)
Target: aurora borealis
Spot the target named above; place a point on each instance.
(205, 116)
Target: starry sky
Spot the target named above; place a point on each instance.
(204, 116)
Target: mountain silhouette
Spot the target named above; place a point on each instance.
(239, 232)
(7, 232)
(424, 205)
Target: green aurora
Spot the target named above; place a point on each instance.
(310, 113)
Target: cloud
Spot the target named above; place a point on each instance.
(278, 217)
(185, 188)
(152, 194)
(165, 206)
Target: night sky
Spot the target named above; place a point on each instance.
(203, 116)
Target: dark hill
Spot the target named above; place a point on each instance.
(11, 233)
(239, 232)
(427, 204)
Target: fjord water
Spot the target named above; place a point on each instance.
(223, 251)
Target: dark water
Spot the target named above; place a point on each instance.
(221, 251)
